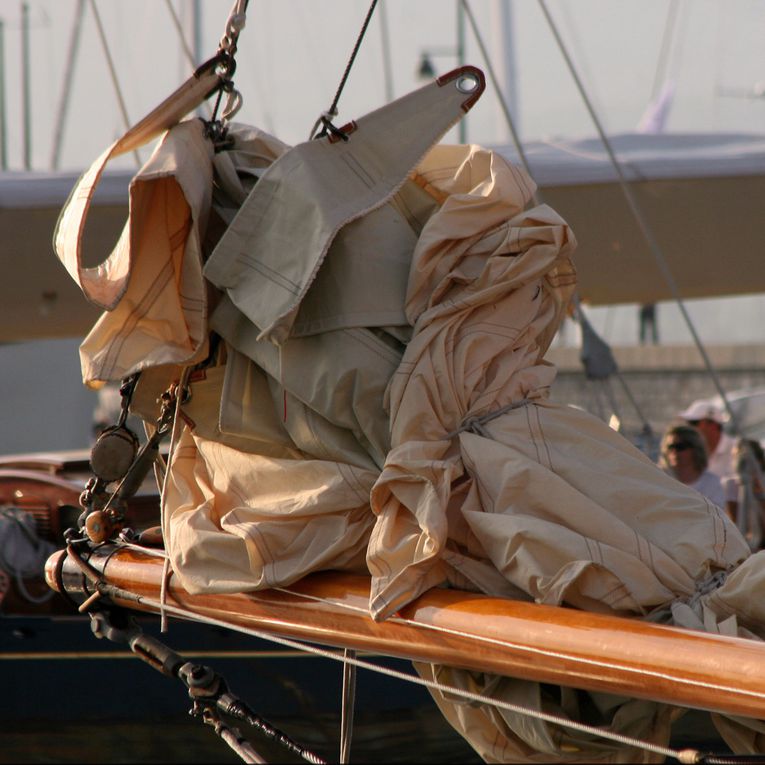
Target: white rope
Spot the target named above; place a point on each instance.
(235, 24)
(475, 424)
(434, 685)
(166, 570)
(546, 653)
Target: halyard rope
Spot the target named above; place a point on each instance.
(325, 119)
(166, 567)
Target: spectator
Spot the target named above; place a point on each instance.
(744, 495)
(683, 455)
(647, 318)
(709, 418)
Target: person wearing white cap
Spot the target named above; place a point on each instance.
(709, 418)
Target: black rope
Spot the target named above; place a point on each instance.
(239, 710)
(207, 689)
(332, 111)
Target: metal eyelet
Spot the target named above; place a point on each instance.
(467, 83)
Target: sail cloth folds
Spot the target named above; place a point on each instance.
(161, 314)
(428, 450)
(105, 283)
(487, 475)
(151, 285)
(313, 269)
(271, 253)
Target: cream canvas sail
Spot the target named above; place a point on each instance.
(416, 440)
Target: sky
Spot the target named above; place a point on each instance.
(292, 54)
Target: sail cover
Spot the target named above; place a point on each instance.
(388, 409)
(698, 194)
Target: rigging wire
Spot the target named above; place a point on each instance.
(348, 705)
(537, 196)
(682, 755)
(74, 44)
(662, 65)
(181, 36)
(187, 52)
(500, 95)
(326, 118)
(546, 653)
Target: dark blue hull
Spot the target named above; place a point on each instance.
(71, 697)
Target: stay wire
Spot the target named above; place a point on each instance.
(113, 74)
(688, 756)
(639, 217)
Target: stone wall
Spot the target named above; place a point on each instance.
(655, 382)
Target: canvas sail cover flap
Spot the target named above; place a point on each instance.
(159, 314)
(105, 283)
(428, 451)
(272, 251)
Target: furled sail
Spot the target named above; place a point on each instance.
(363, 327)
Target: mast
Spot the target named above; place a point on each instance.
(74, 44)
(3, 123)
(196, 10)
(386, 57)
(503, 44)
(26, 101)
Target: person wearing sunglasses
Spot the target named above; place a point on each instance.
(684, 455)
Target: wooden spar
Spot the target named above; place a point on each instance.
(548, 644)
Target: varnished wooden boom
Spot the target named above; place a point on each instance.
(554, 645)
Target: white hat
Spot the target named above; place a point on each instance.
(703, 409)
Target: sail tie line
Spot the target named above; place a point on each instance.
(475, 423)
